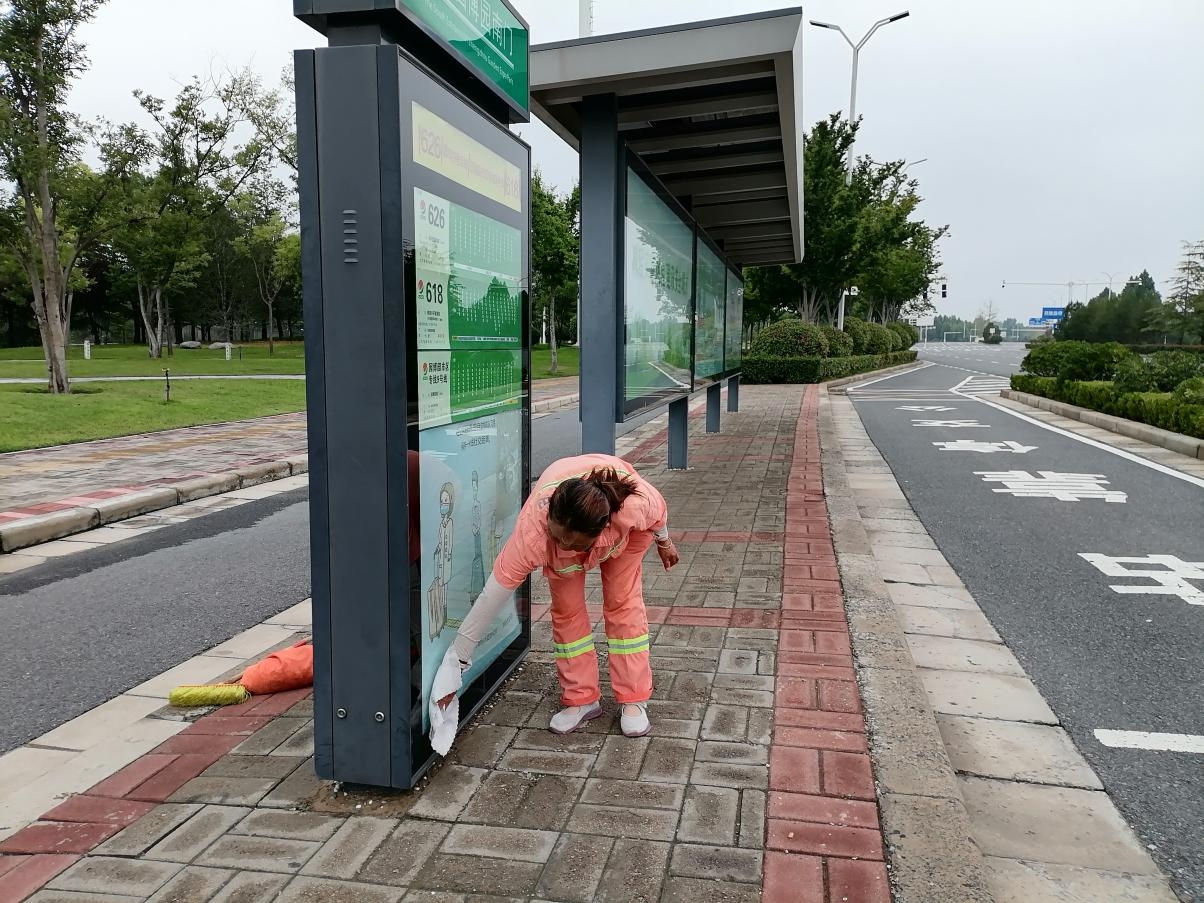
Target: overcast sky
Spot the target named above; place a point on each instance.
(1063, 139)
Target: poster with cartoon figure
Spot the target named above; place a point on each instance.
(471, 489)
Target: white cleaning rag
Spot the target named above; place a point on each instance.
(445, 721)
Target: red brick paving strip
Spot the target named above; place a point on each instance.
(824, 839)
(37, 853)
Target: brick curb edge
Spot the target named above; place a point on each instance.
(32, 531)
(932, 857)
(1153, 435)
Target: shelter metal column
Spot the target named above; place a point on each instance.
(601, 315)
(733, 394)
(679, 433)
(713, 393)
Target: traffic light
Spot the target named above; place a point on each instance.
(944, 290)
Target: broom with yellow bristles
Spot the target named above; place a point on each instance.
(288, 669)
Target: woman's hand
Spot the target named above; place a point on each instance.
(668, 552)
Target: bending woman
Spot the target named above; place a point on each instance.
(584, 512)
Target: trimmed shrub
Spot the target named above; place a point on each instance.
(1169, 368)
(1046, 358)
(1133, 374)
(1197, 350)
(1089, 361)
(1161, 409)
(1190, 391)
(817, 369)
(881, 340)
(991, 334)
(839, 343)
(790, 338)
(907, 333)
(859, 332)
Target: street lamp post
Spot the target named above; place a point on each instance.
(848, 177)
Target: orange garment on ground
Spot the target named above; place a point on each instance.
(618, 552)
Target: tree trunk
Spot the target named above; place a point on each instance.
(149, 302)
(270, 330)
(555, 368)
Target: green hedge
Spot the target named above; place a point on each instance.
(816, 369)
(1152, 349)
(1159, 409)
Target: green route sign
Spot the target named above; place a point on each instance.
(487, 35)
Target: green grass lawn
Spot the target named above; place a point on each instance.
(31, 418)
(567, 356)
(131, 360)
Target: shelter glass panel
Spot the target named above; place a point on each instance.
(658, 290)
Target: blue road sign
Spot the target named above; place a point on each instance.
(1035, 321)
(1053, 313)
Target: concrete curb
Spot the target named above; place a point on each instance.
(924, 820)
(31, 531)
(839, 384)
(555, 404)
(1176, 442)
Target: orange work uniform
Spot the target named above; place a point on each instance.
(618, 552)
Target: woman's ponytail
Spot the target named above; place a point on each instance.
(587, 505)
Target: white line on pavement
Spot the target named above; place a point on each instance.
(1185, 743)
(1119, 452)
(922, 366)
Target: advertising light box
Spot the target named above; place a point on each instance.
(658, 292)
(468, 204)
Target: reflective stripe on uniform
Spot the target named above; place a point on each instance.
(628, 647)
(572, 568)
(574, 649)
(617, 547)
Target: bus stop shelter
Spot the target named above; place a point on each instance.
(697, 128)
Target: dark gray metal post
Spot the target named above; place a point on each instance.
(601, 318)
(713, 394)
(679, 434)
(356, 568)
(733, 393)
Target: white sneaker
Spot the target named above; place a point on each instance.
(635, 720)
(569, 719)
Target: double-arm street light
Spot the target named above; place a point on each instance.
(848, 177)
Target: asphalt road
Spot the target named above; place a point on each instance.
(82, 629)
(1103, 660)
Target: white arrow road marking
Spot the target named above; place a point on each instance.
(1169, 574)
(1185, 743)
(925, 407)
(953, 424)
(973, 445)
(1048, 484)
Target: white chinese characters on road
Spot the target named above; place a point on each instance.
(1168, 575)
(1047, 484)
(953, 424)
(973, 445)
(925, 407)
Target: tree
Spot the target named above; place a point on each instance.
(196, 167)
(1187, 292)
(273, 251)
(862, 233)
(554, 255)
(54, 209)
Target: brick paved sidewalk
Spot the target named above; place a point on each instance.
(45, 480)
(755, 786)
